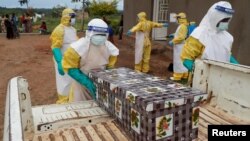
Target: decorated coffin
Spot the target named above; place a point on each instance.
(148, 107)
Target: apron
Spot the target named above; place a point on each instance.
(63, 82)
(97, 58)
(217, 47)
(139, 43)
(178, 65)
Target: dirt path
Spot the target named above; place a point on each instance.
(30, 57)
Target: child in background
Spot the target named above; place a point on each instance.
(43, 28)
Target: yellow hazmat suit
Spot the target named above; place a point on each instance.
(143, 43)
(211, 40)
(180, 71)
(62, 36)
(85, 55)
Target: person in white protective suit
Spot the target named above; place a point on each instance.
(180, 71)
(211, 40)
(62, 36)
(89, 53)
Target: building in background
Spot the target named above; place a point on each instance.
(159, 11)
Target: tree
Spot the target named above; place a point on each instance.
(22, 2)
(85, 4)
(57, 11)
(102, 8)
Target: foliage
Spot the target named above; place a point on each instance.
(163, 126)
(84, 2)
(30, 11)
(4, 10)
(52, 21)
(195, 116)
(102, 8)
(134, 118)
(22, 2)
(57, 11)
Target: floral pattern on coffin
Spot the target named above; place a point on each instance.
(174, 103)
(130, 96)
(195, 117)
(153, 90)
(114, 88)
(135, 120)
(164, 126)
(104, 97)
(116, 76)
(118, 108)
(176, 86)
(200, 98)
(131, 81)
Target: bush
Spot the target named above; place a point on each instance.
(102, 8)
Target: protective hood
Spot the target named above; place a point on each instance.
(182, 18)
(216, 13)
(217, 42)
(96, 26)
(65, 19)
(142, 16)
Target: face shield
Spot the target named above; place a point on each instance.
(98, 35)
(224, 10)
(224, 23)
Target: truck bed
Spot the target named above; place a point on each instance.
(211, 116)
(110, 131)
(83, 122)
(104, 131)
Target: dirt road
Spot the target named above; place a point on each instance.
(31, 57)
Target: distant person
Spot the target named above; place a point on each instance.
(110, 30)
(43, 28)
(180, 71)
(143, 43)
(9, 28)
(121, 27)
(28, 23)
(3, 28)
(22, 22)
(14, 22)
(61, 38)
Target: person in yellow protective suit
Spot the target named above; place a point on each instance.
(210, 40)
(89, 53)
(143, 43)
(180, 71)
(62, 36)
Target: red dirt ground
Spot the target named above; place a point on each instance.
(31, 57)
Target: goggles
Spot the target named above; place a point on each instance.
(224, 9)
(98, 29)
(72, 15)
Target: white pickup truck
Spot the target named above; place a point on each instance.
(226, 84)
